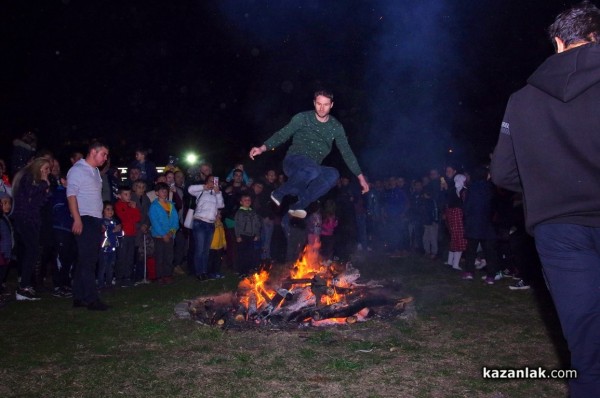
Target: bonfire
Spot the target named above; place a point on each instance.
(314, 292)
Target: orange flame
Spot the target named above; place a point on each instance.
(255, 292)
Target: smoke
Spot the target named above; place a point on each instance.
(391, 61)
(410, 79)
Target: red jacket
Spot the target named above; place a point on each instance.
(129, 217)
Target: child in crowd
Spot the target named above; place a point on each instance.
(64, 240)
(165, 222)
(328, 226)
(217, 249)
(129, 214)
(247, 232)
(7, 241)
(108, 250)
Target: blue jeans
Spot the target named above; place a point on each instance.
(570, 256)
(106, 267)
(88, 249)
(266, 233)
(306, 179)
(203, 234)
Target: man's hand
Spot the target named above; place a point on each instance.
(363, 183)
(257, 151)
(77, 227)
(132, 204)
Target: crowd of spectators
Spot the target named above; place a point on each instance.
(190, 222)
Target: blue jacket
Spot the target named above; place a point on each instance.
(110, 241)
(161, 221)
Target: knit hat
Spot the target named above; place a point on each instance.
(4, 195)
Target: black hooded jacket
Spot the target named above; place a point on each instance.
(549, 144)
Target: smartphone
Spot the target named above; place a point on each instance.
(216, 181)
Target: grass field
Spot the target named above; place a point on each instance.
(138, 348)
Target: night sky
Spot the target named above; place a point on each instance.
(411, 78)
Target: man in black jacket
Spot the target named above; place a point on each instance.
(549, 149)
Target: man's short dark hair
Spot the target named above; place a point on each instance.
(97, 145)
(578, 24)
(324, 93)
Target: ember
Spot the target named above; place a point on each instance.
(314, 293)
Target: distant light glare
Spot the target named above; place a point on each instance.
(191, 158)
(450, 150)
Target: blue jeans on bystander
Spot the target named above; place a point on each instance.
(570, 256)
(203, 234)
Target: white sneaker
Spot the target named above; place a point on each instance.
(26, 294)
(520, 285)
(299, 213)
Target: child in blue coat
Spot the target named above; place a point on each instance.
(165, 222)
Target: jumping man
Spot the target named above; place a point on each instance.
(313, 133)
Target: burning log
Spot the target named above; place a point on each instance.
(346, 278)
(282, 294)
(340, 310)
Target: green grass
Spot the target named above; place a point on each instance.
(139, 349)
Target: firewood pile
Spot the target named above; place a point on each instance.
(314, 294)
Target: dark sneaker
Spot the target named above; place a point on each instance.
(520, 285)
(467, 276)
(275, 200)
(298, 213)
(97, 306)
(26, 294)
(61, 292)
